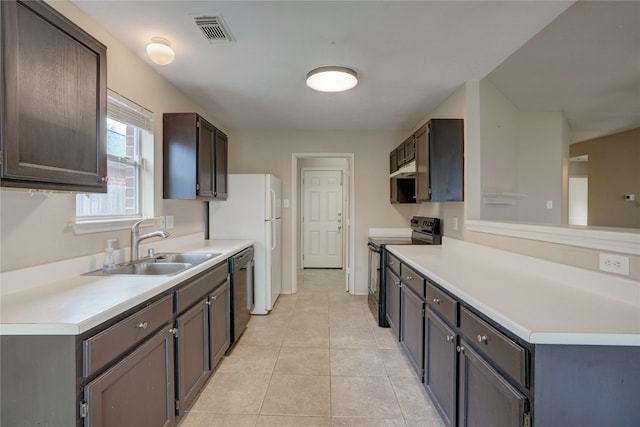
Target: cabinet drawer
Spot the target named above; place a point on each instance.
(412, 279)
(188, 294)
(442, 303)
(509, 356)
(393, 263)
(107, 345)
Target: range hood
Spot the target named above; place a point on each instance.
(406, 171)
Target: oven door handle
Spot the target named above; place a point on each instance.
(373, 248)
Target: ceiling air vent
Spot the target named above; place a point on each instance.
(214, 29)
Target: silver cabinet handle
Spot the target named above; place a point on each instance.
(392, 263)
(409, 277)
(450, 338)
(436, 300)
(173, 331)
(482, 338)
(460, 349)
(215, 297)
(143, 325)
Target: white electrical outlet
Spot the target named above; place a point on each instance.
(455, 223)
(169, 222)
(614, 264)
(549, 204)
(161, 222)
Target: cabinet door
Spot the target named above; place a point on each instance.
(393, 161)
(206, 165)
(423, 163)
(220, 318)
(393, 190)
(486, 398)
(440, 366)
(409, 149)
(220, 156)
(192, 353)
(446, 148)
(412, 327)
(53, 128)
(138, 391)
(392, 294)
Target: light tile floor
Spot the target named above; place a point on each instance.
(318, 359)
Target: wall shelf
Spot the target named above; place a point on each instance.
(502, 199)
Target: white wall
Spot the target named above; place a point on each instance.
(498, 150)
(271, 152)
(523, 153)
(34, 229)
(542, 152)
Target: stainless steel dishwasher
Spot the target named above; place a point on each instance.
(242, 298)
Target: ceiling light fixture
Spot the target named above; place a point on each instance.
(160, 52)
(332, 79)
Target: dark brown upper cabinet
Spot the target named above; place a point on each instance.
(53, 93)
(195, 158)
(439, 152)
(431, 168)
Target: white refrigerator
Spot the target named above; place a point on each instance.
(252, 211)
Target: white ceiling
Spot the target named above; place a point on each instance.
(586, 64)
(410, 55)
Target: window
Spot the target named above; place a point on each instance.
(129, 135)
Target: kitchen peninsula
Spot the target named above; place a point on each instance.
(564, 343)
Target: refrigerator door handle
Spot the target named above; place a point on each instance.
(273, 204)
(273, 235)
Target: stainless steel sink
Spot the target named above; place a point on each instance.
(144, 269)
(194, 258)
(164, 264)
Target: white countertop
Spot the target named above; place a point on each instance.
(48, 300)
(540, 301)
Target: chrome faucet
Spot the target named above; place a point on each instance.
(136, 238)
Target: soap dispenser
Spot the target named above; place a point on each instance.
(110, 255)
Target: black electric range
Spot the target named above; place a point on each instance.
(424, 231)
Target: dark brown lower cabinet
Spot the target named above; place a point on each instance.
(485, 396)
(138, 391)
(393, 301)
(203, 333)
(412, 327)
(192, 353)
(220, 322)
(440, 366)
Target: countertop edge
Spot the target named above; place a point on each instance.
(163, 284)
(521, 331)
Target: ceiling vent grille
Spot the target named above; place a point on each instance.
(214, 29)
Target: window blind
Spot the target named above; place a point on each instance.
(126, 111)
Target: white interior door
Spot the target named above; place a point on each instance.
(322, 220)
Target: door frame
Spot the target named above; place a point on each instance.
(344, 203)
(349, 221)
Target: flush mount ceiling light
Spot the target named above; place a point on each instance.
(160, 52)
(332, 79)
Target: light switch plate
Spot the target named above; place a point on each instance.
(169, 222)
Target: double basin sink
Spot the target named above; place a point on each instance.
(164, 264)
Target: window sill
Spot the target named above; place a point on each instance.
(80, 227)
